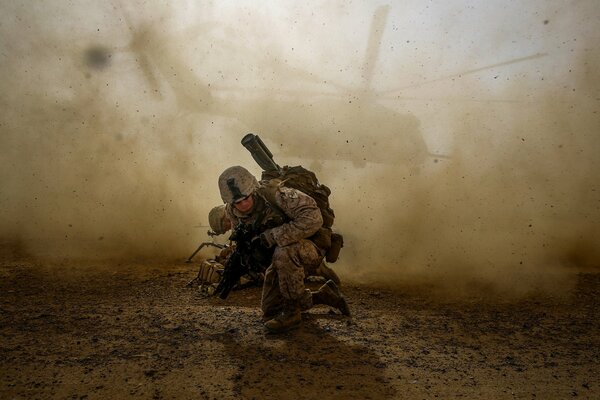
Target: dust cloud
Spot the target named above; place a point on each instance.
(463, 152)
(96, 161)
(516, 208)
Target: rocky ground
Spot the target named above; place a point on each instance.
(89, 331)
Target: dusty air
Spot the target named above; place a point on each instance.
(317, 199)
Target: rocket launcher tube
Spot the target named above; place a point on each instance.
(260, 152)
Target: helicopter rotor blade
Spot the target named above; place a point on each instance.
(374, 44)
(149, 74)
(468, 72)
(136, 46)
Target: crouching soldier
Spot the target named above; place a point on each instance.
(284, 220)
(220, 224)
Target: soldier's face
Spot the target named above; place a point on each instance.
(245, 205)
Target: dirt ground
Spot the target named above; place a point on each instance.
(92, 331)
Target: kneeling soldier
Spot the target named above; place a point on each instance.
(284, 219)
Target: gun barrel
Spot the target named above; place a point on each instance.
(260, 152)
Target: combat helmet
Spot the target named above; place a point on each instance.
(217, 219)
(236, 183)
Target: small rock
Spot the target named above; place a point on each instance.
(150, 373)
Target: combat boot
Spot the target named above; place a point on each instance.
(330, 295)
(270, 314)
(288, 318)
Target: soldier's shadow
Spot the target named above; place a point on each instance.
(308, 363)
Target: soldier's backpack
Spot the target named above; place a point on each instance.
(306, 181)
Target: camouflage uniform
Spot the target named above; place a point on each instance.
(287, 225)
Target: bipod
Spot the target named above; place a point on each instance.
(203, 244)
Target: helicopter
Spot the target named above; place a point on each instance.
(346, 124)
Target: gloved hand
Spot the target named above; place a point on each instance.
(265, 239)
(262, 249)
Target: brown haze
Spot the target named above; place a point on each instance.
(116, 122)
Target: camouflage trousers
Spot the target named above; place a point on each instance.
(284, 279)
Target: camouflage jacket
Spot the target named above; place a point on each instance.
(293, 216)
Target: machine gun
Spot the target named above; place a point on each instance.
(249, 257)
